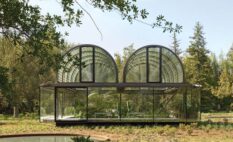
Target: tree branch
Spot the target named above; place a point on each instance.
(92, 19)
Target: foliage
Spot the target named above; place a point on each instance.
(197, 62)
(37, 34)
(198, 69)
(224, 87)
(4, 86)
(122, 59)
(4, 79)
(31, 43)
(215, 67)
(82, 139)
(23, 77)
(175, 45)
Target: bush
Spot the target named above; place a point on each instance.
(82, 139)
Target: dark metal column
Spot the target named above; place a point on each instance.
(185, 104)
(87, 104)
(120, 106)
(39, 112)
(55, 106)
(153, 105)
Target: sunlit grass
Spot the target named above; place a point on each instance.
(194, 132)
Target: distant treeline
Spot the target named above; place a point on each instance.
(21, 73)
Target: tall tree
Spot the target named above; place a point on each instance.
(127, 52)
(230, 57)
(224, 87)
(122, 59)
(215, 70)
(119, 63)
(175, 45)
(197, 62)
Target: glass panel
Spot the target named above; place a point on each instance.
(172, 71)
(154, 64)
(70, 73)
(105, 70)
(136, 67)
(46, 103)
(168, 105)
(87, 68)
(71, 103)
(103, 104)
(137, 104)
(193, 104)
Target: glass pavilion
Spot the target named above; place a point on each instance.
(153, 89)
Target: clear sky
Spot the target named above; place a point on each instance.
(215, 16)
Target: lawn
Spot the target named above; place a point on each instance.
(196, 132)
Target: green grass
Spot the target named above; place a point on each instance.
(201, 132)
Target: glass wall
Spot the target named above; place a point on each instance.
(137, 104)
(130, 104)
(193, 104)
(46, 104)
(103, 104)
(71, 104)
(169, 104)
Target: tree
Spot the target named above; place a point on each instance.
(37, 33)
(224, 86)
(127, 52)
(215, 70)
(198, 68)
(119, 63)
(4, 79)
(20, 79)
(175, 45)
(122, 59)
(197, 62)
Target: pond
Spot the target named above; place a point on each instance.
(45, 139)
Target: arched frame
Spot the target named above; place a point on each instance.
(94, 59)
(171, 67)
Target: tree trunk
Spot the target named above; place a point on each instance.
(15, 112)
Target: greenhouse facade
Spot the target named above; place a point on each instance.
(153, 89)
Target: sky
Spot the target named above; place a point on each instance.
(215, 16)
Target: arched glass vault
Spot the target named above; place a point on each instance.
(94, 61)
(153, 64)
(153, 89)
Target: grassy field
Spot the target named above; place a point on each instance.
(196, 132)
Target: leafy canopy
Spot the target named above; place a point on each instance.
(38, 35)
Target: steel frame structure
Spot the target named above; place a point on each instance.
(103, 58)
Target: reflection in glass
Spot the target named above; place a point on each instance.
(71, 103)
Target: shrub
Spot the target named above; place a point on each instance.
(82, 139)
